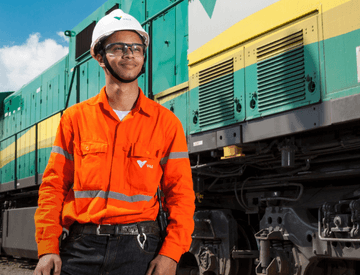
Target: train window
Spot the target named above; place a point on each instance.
(113, 8)
(83, 40)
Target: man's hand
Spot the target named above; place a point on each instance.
(48, 262)
(162, 265)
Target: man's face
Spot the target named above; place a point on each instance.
(126, 64)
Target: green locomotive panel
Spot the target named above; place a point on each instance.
(341, 76)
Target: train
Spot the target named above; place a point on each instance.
(268, 93)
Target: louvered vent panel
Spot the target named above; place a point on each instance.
(281, 74)
(216, 93)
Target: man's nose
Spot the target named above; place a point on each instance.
(128, 51)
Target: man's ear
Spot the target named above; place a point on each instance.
(100, 59)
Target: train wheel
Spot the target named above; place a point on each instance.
(246, 242)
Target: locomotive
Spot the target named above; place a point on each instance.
(267, 92)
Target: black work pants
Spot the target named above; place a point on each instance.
(107, 255)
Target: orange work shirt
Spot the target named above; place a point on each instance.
(106, 171)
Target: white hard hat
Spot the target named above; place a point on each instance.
(117, 20)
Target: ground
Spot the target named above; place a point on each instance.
(16, 267)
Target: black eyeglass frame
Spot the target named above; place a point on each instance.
(125, 48)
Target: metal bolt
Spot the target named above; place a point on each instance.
(337, 221)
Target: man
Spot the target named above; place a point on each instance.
(110, 155)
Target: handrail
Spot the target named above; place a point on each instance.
(28, 127)
(55, 113)
(76, 67)
(70, 88)
(83, 61)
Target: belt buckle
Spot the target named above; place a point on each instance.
(98, 231)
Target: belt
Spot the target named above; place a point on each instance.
(146, 227)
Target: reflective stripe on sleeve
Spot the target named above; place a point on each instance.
(111, 195)
(61, 151)
(174, 155)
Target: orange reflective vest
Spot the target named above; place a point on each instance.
(106, 171)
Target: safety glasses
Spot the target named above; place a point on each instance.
(120, 49)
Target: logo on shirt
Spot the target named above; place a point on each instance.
(141, 163)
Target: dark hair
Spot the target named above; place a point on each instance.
(100, 45)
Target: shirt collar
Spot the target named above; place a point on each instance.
(142, 103)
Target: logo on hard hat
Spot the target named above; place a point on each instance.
(120, 17)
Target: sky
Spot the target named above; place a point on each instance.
(32, 36)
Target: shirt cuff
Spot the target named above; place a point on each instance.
(50, 246)
(172, 251)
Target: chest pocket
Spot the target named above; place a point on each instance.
(144, 170)
(91, 165)
(93, 148)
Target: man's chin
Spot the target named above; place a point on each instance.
(128, 77)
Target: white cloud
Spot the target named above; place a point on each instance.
(21, 64)
(62, 35)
